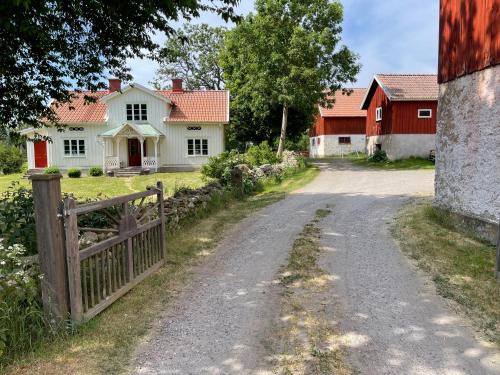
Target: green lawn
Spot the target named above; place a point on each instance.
(410, 163)
(90, 187)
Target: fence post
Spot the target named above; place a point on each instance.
(50, 243)
(73, 260)
(497, 263)
(161, 213)
(130, 248)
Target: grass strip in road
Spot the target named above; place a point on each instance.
(411, 163)
(305, 340)
(106, 344)
(462, 267)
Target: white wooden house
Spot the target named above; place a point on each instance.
(134, 128)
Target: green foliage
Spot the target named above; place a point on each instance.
(24, 167)
(22, 321)
(261, 154)
(379, 156)
(284, 58)
(17, 221)
(11, 159)
(52, 170)
(96, 171)
(50, 46)
(74, 173)
(193, 55)
(298, 143)
(219, 167)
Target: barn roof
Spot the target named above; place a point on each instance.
(346, 104)
(187, 106)
(404, 87)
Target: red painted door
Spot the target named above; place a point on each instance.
(40, 154)
(134, 153)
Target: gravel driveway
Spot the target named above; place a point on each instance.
(392, 320)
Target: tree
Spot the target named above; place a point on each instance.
(287, 55)
(49, 46)
(193, 55)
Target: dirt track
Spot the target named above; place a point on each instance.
(391, 320)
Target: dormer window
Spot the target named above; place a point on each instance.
(137, 112)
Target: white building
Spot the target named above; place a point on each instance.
(136, 128)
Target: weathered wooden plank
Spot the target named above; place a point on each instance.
(98, 276)
(73, 262)
(119, 293)
(98, 247)
(85, 290)
(91, 279)
(99, 205)
(497, 263)
(161, 213)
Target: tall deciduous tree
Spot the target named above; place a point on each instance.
(192, 54)
(287, 54)
(49, 46)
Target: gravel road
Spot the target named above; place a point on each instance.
(391, 320)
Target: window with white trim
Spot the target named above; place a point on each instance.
(197, 147)
(378, 114)
(137, 112)
(313, 141)
(74, 147)
(424, 113)
(344, 140)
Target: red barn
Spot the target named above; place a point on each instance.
(468, 128)
(401, 114)
(340, 129)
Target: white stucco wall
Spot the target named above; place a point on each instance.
(329, 145)
(402, 146)
(468, 145)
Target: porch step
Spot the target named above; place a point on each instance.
(128, 172)
(31, 172)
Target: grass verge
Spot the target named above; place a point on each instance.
(305, 340)
(106, 344)
(462, 267)
(410, 163)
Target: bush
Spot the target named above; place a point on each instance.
(11, 159)
(96, 171)
(52, 170)
(24, 167)
(22, 321)
(261, 154)
(17, 218)
(220, 167)
(378, 156)
(74, 173)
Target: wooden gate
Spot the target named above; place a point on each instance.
(127, 250)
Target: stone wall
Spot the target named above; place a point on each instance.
(468, 146)
(402, 146)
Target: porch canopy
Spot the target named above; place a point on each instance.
(141, 132)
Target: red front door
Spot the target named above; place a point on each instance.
(134, 153)
(40, 154)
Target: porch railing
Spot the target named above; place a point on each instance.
(150, 162)
(112, 162)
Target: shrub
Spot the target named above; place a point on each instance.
(11, 159)
(220, 167)
(378, 156)
(52, 170)
(261, 154)
(74, 173)
(17, 219)
(96, 171)
(24, 167)
(22, 321)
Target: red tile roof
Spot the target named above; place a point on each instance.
(346, 105)
(189, 106)
(409, 87)
(198, 106)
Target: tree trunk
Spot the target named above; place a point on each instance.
(284, 124)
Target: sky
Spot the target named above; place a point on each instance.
(390, 36)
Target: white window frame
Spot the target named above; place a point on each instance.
(78, 145)
(378, 114)
(424, 109)
(141, 119)
(343, 143)
(201, 140)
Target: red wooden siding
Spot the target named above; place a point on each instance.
(405, 118)
(379, 99)
(469, 37)
(399, 117)
(339, 125)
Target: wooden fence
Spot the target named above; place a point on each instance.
(128, 245)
